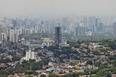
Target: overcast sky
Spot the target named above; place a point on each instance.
(46, 7)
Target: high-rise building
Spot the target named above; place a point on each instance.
(80, 31)
(3, 36)
(91, 22)
(114, 28)
(13, 36)
(30, 55)
(85, 21)
(96, 25)
(3, 39)
(14, 23)
(57, 35)
(100, 27)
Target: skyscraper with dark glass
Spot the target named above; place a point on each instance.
(14, 23)
(57, 35)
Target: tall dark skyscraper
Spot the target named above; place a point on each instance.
(14, 23)
(100, 27)
(57, 35)
(96, 23)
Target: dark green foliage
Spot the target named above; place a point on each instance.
(96, 53)
(16, 58)
(42, 75)
(89, 62)
(97, 64)
(77, 46)
(4, 60)
(53, 75)
(29, 76)
(27, 67)
(114, 63)
(110, 43)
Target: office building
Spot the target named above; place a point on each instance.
(57, 35)
(80, 31)
(100, 27)
(96, 22)
(92, 22)
(96, 28)
(3, 36)
(14, 23)
(13, 36)
(114, 28)
(3, 39)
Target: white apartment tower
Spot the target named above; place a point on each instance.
(30, 55)
(3, 36)
(13, 36)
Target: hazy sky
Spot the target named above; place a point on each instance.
(46, 7)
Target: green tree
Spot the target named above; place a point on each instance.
(89, 62)
(53, 75)
(16, 58)
(114, 63)
(42, 75)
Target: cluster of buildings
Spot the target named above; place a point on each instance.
(79, 26)
(14, 34)
(63, 68)
(14, 43)
(85, 53)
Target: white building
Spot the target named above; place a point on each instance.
(3, 39)
(34, 44)
(30, 55)
(13, 36)
(3, 36)
(89, 33)
(64, 44)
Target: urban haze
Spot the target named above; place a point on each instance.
(57, 38)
